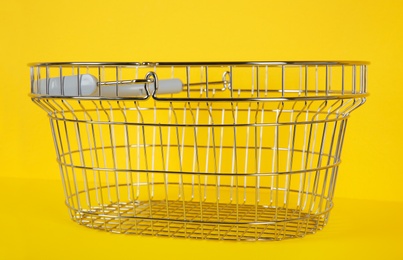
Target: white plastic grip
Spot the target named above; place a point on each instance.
(89, 87)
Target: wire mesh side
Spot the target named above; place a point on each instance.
(238, 171)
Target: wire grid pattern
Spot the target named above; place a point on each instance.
(190, 165)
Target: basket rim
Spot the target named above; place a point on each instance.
(201, 63)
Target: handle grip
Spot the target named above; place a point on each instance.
(88, 86)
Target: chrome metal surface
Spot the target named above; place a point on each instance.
(246, 151)
(200, 63)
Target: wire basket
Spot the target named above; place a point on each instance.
(207, 150)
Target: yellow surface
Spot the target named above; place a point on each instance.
(366, 220)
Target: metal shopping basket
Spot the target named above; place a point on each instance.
(209, 150)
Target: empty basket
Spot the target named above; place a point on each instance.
(209, 150)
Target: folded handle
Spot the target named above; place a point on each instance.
(89, 87)
(165, 86)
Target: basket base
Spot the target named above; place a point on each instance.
(182, 219)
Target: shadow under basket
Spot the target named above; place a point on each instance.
(209, 150)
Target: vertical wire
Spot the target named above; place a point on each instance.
(329, 155)
(300, 80)
(147, 170)
(301, 179)
(115, 161)
(327, 82)
(100, 79)
(218, 180)
(101, 196)
(259, 156)
(207, 154)
(317, 173)
(309, 173)
(61, 81)
(180, 156)
(206, 80)
(83, 164)
(354, 79)
(322, 153)
(105, 165)
(330, 78)
(195, 161)
(289, 161)
(129, 174)
(188, 81)
(339, 147)
(277, 163)
(234, 167)
(335, 169)
(69, 198)
(117, 81)
(246, 152)
(211, 119)
(166, 168)
(363, 79)
(328, 200)
(112, 139)
(80, 92)
(182, 151)
(252, 90)
(153, 146)
(231, 78)
(138, 152)
(309, 160)
(181, 194)
(129, 181)
(93, 155)
(198, 166)
(266, 82)
(273, 160)
(261, 136)
(165, 180)
(38, 78)
(246, 165)
(257, 178)
(148, 183)
(69, 151)
(282, 80)
(342, 79)
(32, 75)
(47, 80)
(366, 78)
(308, 167)
(234, 160)
(257, 82)
(92, 149)
(306, 80)
(316, 80)
(218, 177)
(58, 154)
(304, 157)
(360, 79)
(256, 159)
(65, 180)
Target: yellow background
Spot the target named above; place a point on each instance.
(366, 222)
